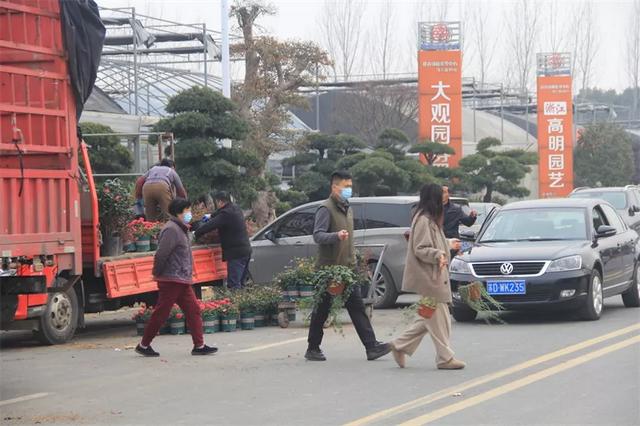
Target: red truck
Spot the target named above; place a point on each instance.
(51, 272)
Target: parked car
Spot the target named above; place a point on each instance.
(483, 209)
(626, 201)
(377, 220)
(564, 254)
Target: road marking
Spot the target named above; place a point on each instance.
(272, 345)
(517, 384)
(436, 396)
(23, 398)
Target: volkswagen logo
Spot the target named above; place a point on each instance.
(506, 268)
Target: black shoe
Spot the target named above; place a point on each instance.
(315, 355)
(205, 350)
(378, 351)
(148, 351)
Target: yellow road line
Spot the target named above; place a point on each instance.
(272, 345)
(517, 384)
(436, 396)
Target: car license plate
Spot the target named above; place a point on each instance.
(506, 287)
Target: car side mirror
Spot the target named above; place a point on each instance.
(468, 235)
(633, 210)
(605, 231)
(271, 236)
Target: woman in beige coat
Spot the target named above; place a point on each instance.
(426, 273)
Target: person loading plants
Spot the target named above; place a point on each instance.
(161, 184)
(229, 220)
(333, 232)
(172, 269)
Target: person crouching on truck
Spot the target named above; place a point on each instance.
(161, 185)
(172, 269)
(229, 220)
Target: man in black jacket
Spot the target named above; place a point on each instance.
(234, 238)
(454, 216)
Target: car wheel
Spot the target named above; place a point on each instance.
(464, 314)
(595, 299)
(59, 321)
(631, 297)
(385, 293)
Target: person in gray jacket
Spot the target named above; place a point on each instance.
(160, 185)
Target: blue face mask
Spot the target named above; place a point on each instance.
(187, 217)
(346, 193)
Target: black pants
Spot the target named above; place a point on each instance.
(358, 315)
(237, 270)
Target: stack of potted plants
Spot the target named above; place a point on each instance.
(114, 200)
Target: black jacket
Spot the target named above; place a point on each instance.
(453, 217)
(234, 238)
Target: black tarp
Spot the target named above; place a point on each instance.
(83, 33)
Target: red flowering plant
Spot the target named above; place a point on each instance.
(114, 201)
(143, 314)
(226, 308)
(140, 228)
(176, 313)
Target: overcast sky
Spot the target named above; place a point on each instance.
(301, 20)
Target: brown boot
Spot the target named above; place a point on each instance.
(452, 364)
(400, 357)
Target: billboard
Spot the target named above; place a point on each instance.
(440, 88)
(555, 125)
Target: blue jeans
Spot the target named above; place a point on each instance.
(237, 271)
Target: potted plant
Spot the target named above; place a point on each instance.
(339, 281)
(154, 230)
(305, 268)
(245, 301)
(176, 320)
(210, 317)
(141, 318)
(475, 295)
(114, 203)
(426, 307)
(228, 316)
(142, 232)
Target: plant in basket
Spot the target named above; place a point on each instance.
(426, 307)
(210, 316)
(475, 295)
(228, 315)
(142, 232)
(176, 320)
(141, 317)
(338, 281)
(114, 200)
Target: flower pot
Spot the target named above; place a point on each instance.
(210, 324)
(291, 292)
(153, 244)
(247, 320)
(306, 290)
(228, 323)
(291, 315)
(140, 324)
(273, 318)
(166, 328)
(260, 319)
(335, 288)
(177, 326)
(111, 246)
(475, 293)
(426, 311)
(238, 322)
(129, 247)
(143, 244)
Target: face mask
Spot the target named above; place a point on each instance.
(346, 193)
(187, 217)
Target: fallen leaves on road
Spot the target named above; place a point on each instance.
(57, 418)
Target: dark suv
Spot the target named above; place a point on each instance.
(566, 254)
(625, 200)
(377, 220)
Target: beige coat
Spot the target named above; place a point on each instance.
(422, 272)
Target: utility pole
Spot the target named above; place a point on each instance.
(224, 20)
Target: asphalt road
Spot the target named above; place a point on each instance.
(539, 369)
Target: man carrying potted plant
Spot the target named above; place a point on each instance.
(172, 268)
(333, 232)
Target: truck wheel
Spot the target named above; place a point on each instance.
(631, 297)
(59, 321)
(593, 305)
(385, 293)
(464, 314)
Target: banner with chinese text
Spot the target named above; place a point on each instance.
(555, 135)
(440, 101)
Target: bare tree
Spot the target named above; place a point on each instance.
(341, 26)
(381, 40)
(522, 23)
(482, 41)
(555, 37)
(587, 49)
(633, 56)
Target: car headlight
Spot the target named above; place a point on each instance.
(569, 263)
(459, 266)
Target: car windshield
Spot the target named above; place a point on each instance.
(544, 224)
(616, 199)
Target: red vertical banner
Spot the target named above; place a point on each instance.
(555, 135)
(440, 88)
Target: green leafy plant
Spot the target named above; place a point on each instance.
(114, 201)
(336, 282)
(475, 295)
